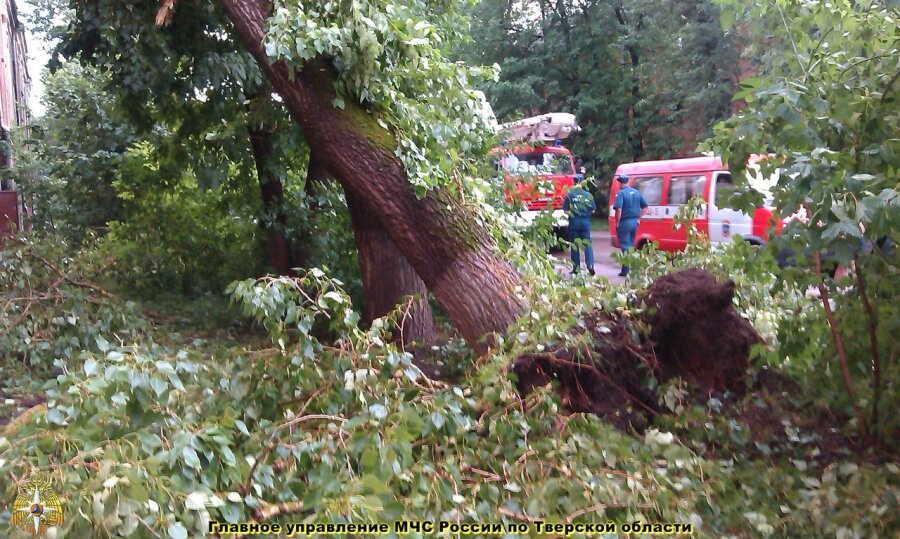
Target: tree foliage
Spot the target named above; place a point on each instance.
(187, 76)
(160, 435)
(392, 58)
(825, 105)
(154, 426)
(75, 150)
(644, 79)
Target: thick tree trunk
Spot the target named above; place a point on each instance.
(274, 220)
(438, 235)
(388, 279)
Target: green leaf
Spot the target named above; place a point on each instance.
(91, 367)
(196, 501)
(374, 485)
(159, 386)
(840, 229)
(55, 417)
(727, 17)
(378, 410)
(191, 458)
(177, 531)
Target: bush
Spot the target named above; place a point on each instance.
(177, 237)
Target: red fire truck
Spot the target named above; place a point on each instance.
(537, 169)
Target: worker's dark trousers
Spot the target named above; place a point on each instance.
(580, 235)
(625, 233)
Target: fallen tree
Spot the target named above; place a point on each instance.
(450, 250)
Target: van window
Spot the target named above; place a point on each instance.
(724, 189)
(682, 188)
(650, 187)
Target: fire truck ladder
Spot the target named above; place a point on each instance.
(544, 128)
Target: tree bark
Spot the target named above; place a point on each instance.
(274, 221)
(839, 348)
(438, 235)
(388, 279)
(873, 347)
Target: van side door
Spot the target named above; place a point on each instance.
(724, 222)
(683, 187)
(652, 227)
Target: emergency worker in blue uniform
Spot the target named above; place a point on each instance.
(630, 206)
(579, 204)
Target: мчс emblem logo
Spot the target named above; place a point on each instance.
(37, 507)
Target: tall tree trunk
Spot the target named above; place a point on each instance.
(635, 134)
(438, 235)
(274, 221)
(387, 277)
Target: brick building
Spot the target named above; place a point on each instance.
(15, 84)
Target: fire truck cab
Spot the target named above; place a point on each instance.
(537, 169)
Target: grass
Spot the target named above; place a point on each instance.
(599, 223)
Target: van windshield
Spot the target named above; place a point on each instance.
(538, 163)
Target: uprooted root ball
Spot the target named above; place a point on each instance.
(695, 334)
(604, 378)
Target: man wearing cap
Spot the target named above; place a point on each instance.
(580, 205)
(630, 206)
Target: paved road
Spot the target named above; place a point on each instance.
(603, 263)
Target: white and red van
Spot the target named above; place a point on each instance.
(669, 184)
(537, 169)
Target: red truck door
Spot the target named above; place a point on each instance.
(683, 187)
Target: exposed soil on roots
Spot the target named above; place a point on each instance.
(603, 377)
(695, 334)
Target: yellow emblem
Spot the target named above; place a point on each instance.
(37, 507)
